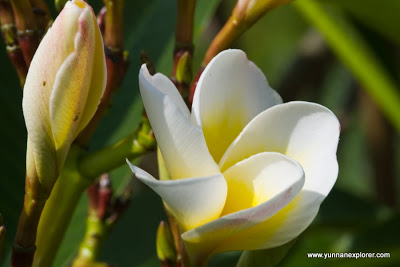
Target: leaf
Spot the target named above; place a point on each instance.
(265, 258)
(366, 12)
(356, 54)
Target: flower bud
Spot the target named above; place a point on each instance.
(165, 244)
(63, 88)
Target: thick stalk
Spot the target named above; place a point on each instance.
(78, 173)
(104, 210)
(26, 28)
(114, 20)
(231, 31)
(183, 51)
(56, 218)
(59, 210)
(108, 158)
(36, 194)
(185, 22)
(244, 15)
(9, 33)
(89, 250)
(24, 247)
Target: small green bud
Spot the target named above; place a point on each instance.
(184, 68)
(166, 251)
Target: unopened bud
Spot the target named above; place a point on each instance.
(184, 68)
(63, 88)
(166, 251)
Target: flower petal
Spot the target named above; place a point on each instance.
(193, 201)
(306, 132)
(181, 143)
(256, 179)
(72, 84)
(98, 79)
(279, 229)
(275, 181)
(230, 92)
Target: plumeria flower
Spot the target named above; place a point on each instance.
(247, 172)
(63, 88)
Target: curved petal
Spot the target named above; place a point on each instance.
(71, 86)
(181, 143)
(163, 84)
(306, 132)
(193, 201)
(279, 229)
(256, 179)
(275, 181)
(98, 79)
(231, 91)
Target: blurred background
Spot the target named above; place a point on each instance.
(344, 54)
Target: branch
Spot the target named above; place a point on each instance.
(183, 53)
(27, 31)
(102, 216)
(135, 145)
(9, 33)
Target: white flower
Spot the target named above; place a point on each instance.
(248, 172)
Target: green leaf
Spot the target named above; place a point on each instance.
(264, 258)
(356, 54)
(366, 12)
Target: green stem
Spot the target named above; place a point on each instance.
(96, 232)
(78, 173)
(183, 52)
(114, 20)
(24, 246)
(59, 210)
(184, 23)
(356, 55)
(36, 195)
(108, 158)
(244, 15)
